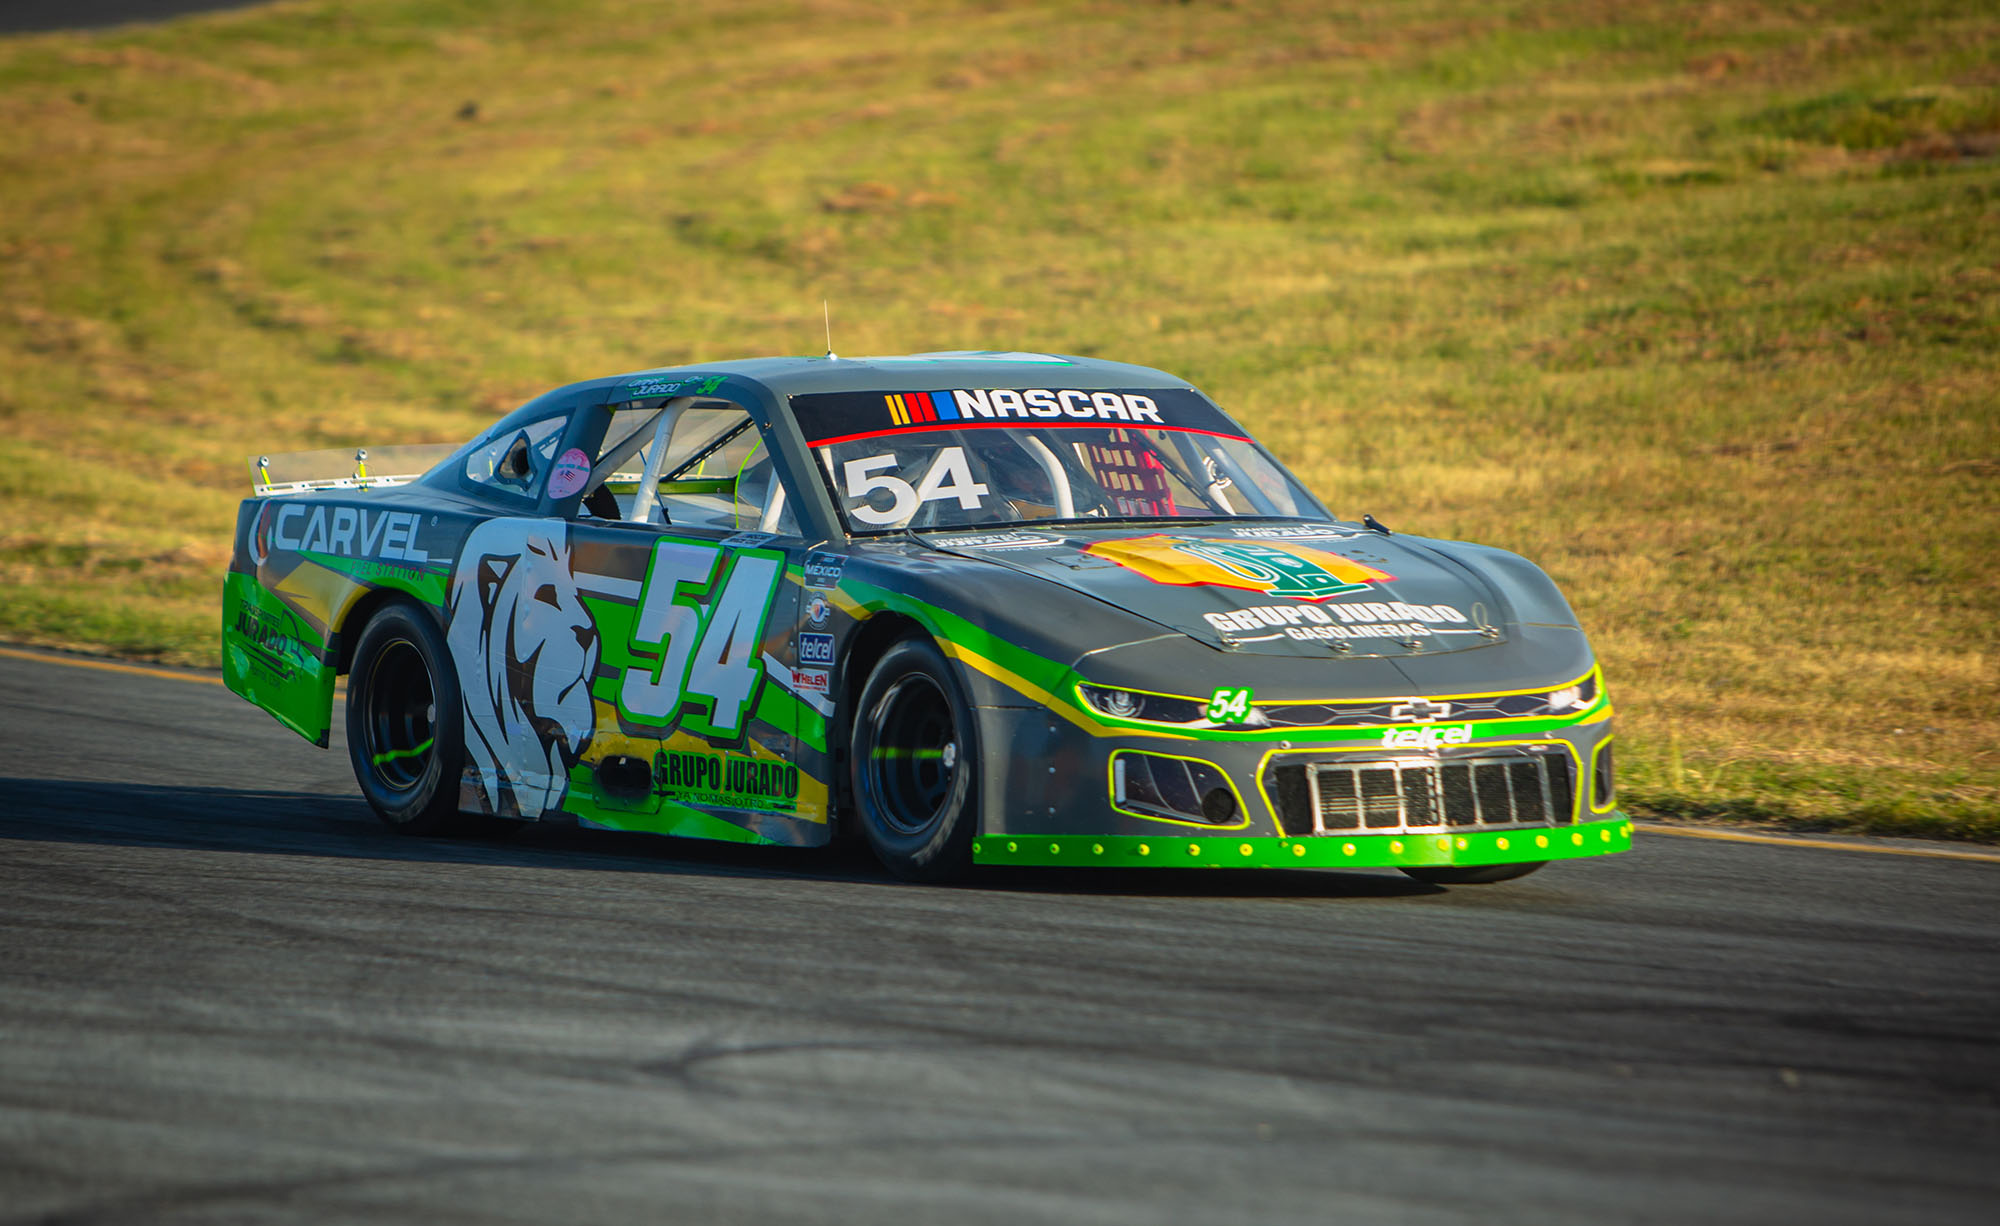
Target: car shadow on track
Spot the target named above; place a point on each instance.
(290, 823)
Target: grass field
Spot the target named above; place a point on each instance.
(1696, 304)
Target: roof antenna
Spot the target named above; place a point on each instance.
(828, 313)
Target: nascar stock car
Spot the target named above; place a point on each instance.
(989, 608)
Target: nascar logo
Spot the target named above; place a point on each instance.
(923, 408)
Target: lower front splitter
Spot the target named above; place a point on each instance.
(1461, 848)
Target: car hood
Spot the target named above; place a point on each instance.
(1300, 589)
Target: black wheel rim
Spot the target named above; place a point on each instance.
(400, 727)
(913, 758)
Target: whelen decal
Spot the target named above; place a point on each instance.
(828, 417)
(1276, 568)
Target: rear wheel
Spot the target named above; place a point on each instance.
(1479, 874)
(404, 722)
(916, 765)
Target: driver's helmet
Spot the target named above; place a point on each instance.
(1014, 474)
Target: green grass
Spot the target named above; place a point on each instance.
(1697, 305)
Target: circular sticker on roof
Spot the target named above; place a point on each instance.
(571, 471)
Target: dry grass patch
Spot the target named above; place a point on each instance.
(1693, 304)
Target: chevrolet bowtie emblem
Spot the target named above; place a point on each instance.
(1419, 709)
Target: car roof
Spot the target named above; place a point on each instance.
(900, 372)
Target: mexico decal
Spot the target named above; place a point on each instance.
(1274, 568)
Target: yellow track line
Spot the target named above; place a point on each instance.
(1778, 840)
(108, 666)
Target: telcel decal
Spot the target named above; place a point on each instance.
(1425, 738)
(346, 531)
(1277, 568)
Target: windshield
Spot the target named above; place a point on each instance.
(942, 460)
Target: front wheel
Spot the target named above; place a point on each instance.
(1480, 874)
(405, 730)
(916, 765)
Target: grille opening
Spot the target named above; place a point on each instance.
(1176, 788)
(625, 778)
(1603, 784)
(1218, 806)
(1287, 788)
(1381, 798)
(1519, 789)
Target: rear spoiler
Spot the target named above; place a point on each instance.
(337, 468)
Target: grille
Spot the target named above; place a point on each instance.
(1395, 710)
(1424, 794)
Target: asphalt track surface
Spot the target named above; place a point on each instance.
(28, 16)
(228, 994)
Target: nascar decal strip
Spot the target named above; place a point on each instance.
(831, 417)
(1468, 848)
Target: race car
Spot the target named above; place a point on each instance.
(982, 607)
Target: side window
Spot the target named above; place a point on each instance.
(517, 461)
(718, 474)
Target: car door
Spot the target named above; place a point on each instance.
(691, 583)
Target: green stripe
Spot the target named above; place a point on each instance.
(1060, 681)
(425, 581)
(394, 754)
(1224, 850)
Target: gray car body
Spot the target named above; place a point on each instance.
(1029, 621)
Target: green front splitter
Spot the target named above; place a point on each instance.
(1458, 847)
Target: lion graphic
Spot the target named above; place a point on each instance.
(526, 649)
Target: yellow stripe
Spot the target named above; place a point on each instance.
(896, 413)
(1772, 840)
(107, 666)
(1029, 689)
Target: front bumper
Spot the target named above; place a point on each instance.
(1053, 797)
(1221, 850)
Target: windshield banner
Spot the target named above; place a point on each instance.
(832, 417)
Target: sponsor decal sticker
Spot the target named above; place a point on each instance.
(1296, 532)
(749, 540)
(1229, 706)
(1003, 540)
(818, 609)
(996, 404)
(279, 648)
(259, 544)
(351, 532)
(816, 649)
(571, 471)
(833, 416)
(699, 618)
(812, 680)
(726, 780)
(1393, 619)
(648, 388)
(1425, 738)
(822, 570)
(1274, 568)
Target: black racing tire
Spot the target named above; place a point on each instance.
(406, 722)
(915, 764)
(1474, 874)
